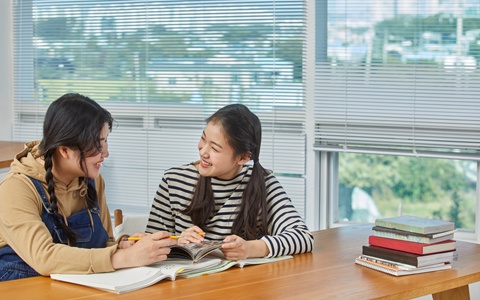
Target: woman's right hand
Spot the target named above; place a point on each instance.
(193, 234)
(150, 249)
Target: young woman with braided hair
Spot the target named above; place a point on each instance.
(53, 213)
(227, 199)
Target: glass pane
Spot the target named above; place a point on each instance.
(373, 186)
(170, 52)
(445, 33)
(161, 68)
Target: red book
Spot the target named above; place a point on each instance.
(411, 247)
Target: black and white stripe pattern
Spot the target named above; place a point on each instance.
(287, 232)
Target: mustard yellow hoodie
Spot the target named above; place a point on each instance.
(22, 228)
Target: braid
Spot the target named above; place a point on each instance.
(74, 121)
(53, 199)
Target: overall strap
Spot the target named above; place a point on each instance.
(42, 193)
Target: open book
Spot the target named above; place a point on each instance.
(185, 260)
(193, 251)
(226, 264)
(126, 280)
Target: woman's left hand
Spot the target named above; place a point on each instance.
(236, 248)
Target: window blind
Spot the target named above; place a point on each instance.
(161, 68)
(399, 77)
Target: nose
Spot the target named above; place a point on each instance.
(203, 151)
(105, 152)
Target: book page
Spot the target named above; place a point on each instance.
(119, 281)
(125, 280)
(194, 251)
(226, 264)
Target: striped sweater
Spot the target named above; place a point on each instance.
(287, 232)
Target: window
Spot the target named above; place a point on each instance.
(161, 68)
(396, 108)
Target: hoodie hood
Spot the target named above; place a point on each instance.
(29, 162)
(25, 162)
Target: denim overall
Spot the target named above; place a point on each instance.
(90, 234)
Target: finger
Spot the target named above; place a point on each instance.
(160, 235)
(164, 243)
(192, 236)
(196, 229)
(142, 234)
(193, 239)
(183, 240)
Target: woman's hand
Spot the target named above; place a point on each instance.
(193, 234)
(236, 248)
(128, 243)
(151, 248)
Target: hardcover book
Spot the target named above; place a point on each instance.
(415, 224)
(411, 247)
(413, 236)
(415, 260)
(397, 269)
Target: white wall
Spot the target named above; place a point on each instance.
(6, 74)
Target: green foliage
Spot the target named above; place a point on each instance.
(474, 50)
(58, 28)
(424, 186)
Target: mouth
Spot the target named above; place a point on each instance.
(205, 164)
(98, 164)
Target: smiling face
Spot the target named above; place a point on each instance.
(217, 158)
(94, 163)
(67, 164)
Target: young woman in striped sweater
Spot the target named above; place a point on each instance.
(228, 198)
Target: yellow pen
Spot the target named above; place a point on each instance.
(177, 236)
(132, 238)
(137, 238)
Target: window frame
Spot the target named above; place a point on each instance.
(326, 161)
(35, 111)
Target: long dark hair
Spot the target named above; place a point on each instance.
(244, 134)
(74, 121)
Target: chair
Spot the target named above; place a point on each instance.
(128, 224)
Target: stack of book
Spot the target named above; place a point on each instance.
(406, 245)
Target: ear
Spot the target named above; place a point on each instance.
(64, 151)
(244, 158)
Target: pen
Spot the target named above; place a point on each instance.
(132, 238)
(137, 238)
(177, 236)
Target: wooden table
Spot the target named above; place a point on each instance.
(329, 272)
(8, 151)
